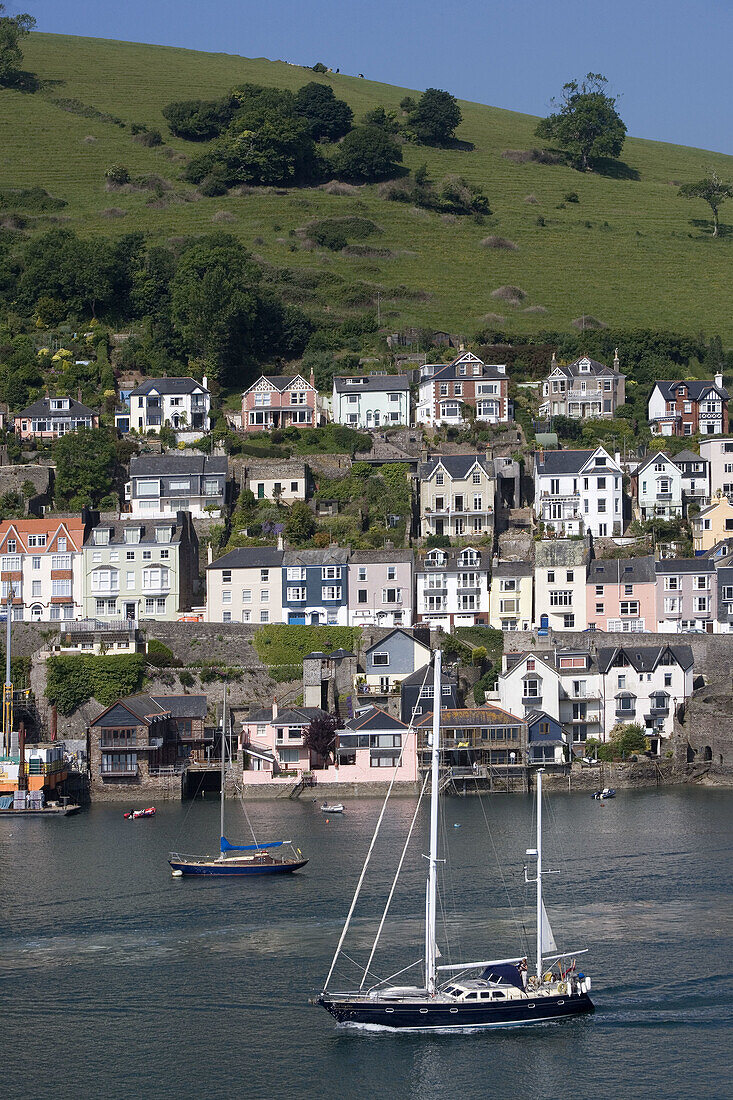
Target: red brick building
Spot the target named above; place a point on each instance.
(689, 407)
(444, 389)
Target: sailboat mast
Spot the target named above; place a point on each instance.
(223, 761)
(432, 885)
(539, 875)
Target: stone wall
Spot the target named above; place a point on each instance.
(703, 734)
(12, 479)
(332, 466)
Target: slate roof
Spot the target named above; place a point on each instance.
(644, 658)
(456, 466)
(512, 569)
(249, 557)
(622, 571)
(168, 385)
(389, 557)
(397, 630)
(562, 462)
(373, 718)
(147, 533)
(288, 716)
(656, 457)
(43, 408)
(556, 553)
(695, 388)
(159, 465)
(450, 372)
(572, 370)
(417, 677)
(332, 555)
(451, 563)
(183, 706)
(685, 565)
(279, 381)
(689, 456)
(372, 383)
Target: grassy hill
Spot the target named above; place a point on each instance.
(630, 252)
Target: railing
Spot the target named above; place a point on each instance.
(95, 626)
(169, 769)
(119, 770)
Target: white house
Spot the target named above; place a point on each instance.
(371, 401)
(583, 389)
(563, 683)
(180, 403)
(644, 684)
(453, 587)
(578, 491)
(245, 586)
(719, 454)
(657, 485)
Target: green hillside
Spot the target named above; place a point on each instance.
(630, 252)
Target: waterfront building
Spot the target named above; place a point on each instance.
(134, 570)
(644, 684)
(41, 561)
(182, 404)
(583, 389)
(390, 660)
(475, 741)
(162, 485)
(689, 407)
(245, 586)
(712, 525)
(380, 588)
(273, 744)
(579, 491)
(559, 584)
(374, 746)
(315, 586)
(452, 587)
(281, 401)
(687, 594)
(417, 693)
(371, 401)
(621, 595)
(510, 596)
(657, 487)
(457, 496)
(51, 418)
(137, 743)
(563, 683)
(546, 740)
(445, 390)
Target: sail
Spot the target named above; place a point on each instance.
(227, 847)
(548, 939)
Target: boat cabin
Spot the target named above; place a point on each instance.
(481, 990)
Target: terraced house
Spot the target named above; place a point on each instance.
(245, 586)
(621, 595)
(583, 389)
(380, 588)
(279, 401)
(510, 598)
(563, 683)
(315, 586)
(445, 389)
(579, 491)
(41, 562)
(163, 485)
(453, 587)
(457, 496)
(687, 595)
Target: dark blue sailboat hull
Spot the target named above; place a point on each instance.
(218, 869)
(442, 1014)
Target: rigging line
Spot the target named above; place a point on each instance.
(362, 876)
(358, 966)
(190, 807)
(394, 881)
(496, 857)
(417, 962)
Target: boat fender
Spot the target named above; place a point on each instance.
(562, 988)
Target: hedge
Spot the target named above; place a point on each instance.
(279, 645)
(71, 681)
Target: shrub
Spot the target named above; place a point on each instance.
(499, 242)
(160, 655)
(117, 174)
(319, 67)
(186, 678)
(367, 154)
(479, 655)
(571, 196)
(71, 681)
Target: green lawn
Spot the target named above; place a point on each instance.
(627, 253)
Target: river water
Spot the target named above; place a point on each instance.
(117, 980)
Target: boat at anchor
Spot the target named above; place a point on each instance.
(487, 993)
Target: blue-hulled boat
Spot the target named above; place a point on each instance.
(249, 859)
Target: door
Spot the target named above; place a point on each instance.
(296, 618)
(131, 611)
(315, 618)
(439, 527)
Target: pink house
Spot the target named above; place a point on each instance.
(380, 588)
(51, 417)
(276, 401)
(621, 595)
(369, 748)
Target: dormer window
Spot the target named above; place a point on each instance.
(162, 534)
(100, 536)
(132, 536)
(59, 404)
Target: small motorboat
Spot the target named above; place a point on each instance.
(336, 808)
(607, 792)
(133, 814)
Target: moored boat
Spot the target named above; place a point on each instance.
(336, 808)
(133, 815)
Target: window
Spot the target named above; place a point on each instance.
(132, 535)
(150, 606)
(36, 588)
(478, 503)
(361, 595)
(36, 540)
(476, 478)
(58, 561)
(531, 689)
(265, 595)
(439, 479)
(130, 580)
(226, 616)
(561, 598)
(11, 564)
(226, 596)
(701, 582)
(331, 592)
(59, 588)
(296, 593)
(599, 590)
(569, 576)
(264, 616)
(551, 576)
(599, 609)
(672, 584)
(246, 595)
(568, 622)
(36, 563)
(156, 577)
(264, 576)
(629, 607)
(296, 574)
(391, 572)
(129, 555)
(226, 576)
(146, 488)
(362, 573)
(628, 590)
(11, 546)
(331, 573)
(162, 534)
(147, 555)
(391, 595)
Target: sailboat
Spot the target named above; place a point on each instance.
(488, 993)
(250, 859)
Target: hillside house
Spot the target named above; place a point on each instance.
(656, 486)
(457, 496)
(53, 417)
(547, 741)
(689, 407)
(695, 473)
(160, 486)
(273, 746)
(373, 740)
(579, 491)
(315, 586)
(380, 588)
(510, 597)
(583, 389)
(687, 595)
(563, 683)
(452, 587)
(245, 586)
(182, 404)
(275, 479)
(41, 563)
(712, 525)
(467, 381)
(718, 454)
(644, 684)
(280, 401)
(474, 740)
(417, 693)
(559, 584)
(621, 595)
(371, 401)
(391, 660)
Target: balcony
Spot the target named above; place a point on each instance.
(532, 700)
(118, 770)
(627, 715)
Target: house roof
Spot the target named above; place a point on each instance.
(419, 676)
(685, 565)
(560, 552)
(512, 569)
(42, 407)
(374, 718)
(397, 630)
(468, 717)
(168, 385)
(456, 466)
(562, 462)
(147, 533)
(249, 557)
(375, 557)
(160, 465)
(50, 527)
(656, 457)
(644, 658)
(573, 370)
(450, 371)
(183, 706)
(332, 555)
(280, 382)
(143, 707)
(288, 716)
(689, 456)
(372, 383)
(696, 388)
(621, 571)
(452, 556)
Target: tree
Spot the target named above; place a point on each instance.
(12, 29)
(586, 125)
(85, 466)
(320, 736)
(711, 190)
(435, 118)
(300, 525)
(327, 117)
(367, 154)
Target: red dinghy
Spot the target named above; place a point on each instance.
(149, 812)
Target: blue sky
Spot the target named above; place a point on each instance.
(669, 59)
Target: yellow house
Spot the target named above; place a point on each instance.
(712, 524)
(510, 598)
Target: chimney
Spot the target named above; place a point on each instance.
(78, 394)
(554, 360)
(616, 361)
(205, 382)
(719, 381)
(280, 542)
(274, 708)
(312, 379)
